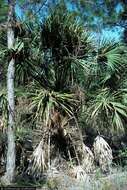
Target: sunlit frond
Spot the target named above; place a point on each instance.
(107, 107)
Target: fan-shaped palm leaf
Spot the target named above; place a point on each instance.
(109, 63)
(107, 107)
(46, 102)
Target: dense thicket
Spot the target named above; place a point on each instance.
(69, 88)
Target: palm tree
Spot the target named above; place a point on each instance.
(70, 62)
(66, 72)
(55, 102)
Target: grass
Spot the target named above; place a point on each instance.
(115, 181)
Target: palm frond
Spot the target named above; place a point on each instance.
(88, 159)
(39, 159)
(67, 50)
(45, 102)
(107, 107)
(103, 153)
(109, 63)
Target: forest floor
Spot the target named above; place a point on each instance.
(115, 181)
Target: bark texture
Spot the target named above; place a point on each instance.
(10, 166)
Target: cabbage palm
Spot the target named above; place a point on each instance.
(57, 75)
(59, 61)
(70, 60)
(58, 64)
(65, 50)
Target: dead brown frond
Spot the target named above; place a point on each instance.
(88, 159)
(103, 153)
(79, 173)
(38, 158)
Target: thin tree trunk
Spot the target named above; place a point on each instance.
(10, 166)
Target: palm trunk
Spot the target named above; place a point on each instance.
(10, 166)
